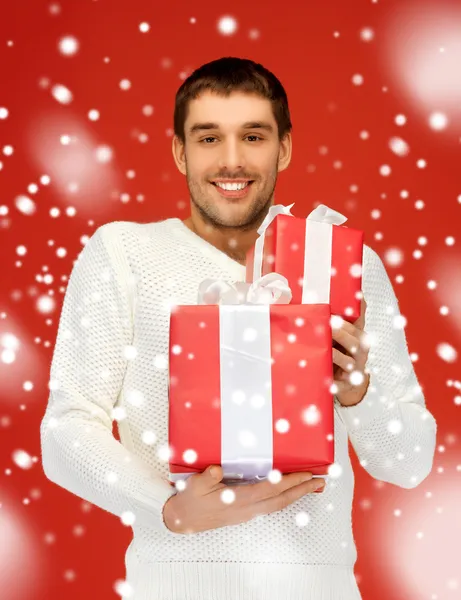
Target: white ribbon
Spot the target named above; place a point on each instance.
(276, 209)
(245, 371)
(317, 250)
(270, 289)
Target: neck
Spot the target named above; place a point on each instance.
(235, 242)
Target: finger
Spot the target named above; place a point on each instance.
(343, 324)
(357, 332)
(349, 342)
(351, 328)
(342, 360)
(256, 492)
(360, 322)
(287, 497)
(210, 477)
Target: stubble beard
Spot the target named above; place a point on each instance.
(210, 212)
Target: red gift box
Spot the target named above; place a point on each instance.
(250, 390)
(322, 260)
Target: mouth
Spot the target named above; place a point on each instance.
(233, 193)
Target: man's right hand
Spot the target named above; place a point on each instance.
(199, 506)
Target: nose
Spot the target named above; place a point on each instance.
(231, 155)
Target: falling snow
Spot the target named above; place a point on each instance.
(62, 94)
(68, 45)
(399, 146)
(227, 25)
(438, 121)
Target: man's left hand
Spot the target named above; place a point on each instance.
(351, 339)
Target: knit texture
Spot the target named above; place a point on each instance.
(110, 362)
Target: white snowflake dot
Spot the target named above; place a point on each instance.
(68, 45)
(128, 518)
(393, 257)
(311, 415)
(367, 34)
(438, 121)
(356, 378)
(22, 459)
(302, 519)
(335, 471)
(395, 426)
(282, 425)
(228, 496)
(399, 146)
(274, 476)
(148, 437)
(161, 362)
(447, 352)
(399, 322)
(227, 25)
(130, 352)
(189, 456)
(62, 94)
(123, 588)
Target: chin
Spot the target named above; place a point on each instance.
(235, 220)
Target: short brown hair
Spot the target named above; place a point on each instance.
(226, 75)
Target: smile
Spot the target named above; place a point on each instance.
(233, 190)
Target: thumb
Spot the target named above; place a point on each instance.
(215, 472)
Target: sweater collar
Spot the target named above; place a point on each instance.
(226, 262)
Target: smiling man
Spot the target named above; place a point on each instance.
(274, 540)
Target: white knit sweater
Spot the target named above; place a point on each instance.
(110, 363)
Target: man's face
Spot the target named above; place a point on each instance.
(232, 148)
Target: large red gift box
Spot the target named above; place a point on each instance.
(249, 389)
(322, 260)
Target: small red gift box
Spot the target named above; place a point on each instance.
(321, 259)
(250, 390)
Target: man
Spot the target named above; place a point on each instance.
(273, 540)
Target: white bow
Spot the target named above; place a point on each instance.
(269, 289)
(325, 214)
(322, 214)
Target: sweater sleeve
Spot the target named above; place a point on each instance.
(391, 431)
(93, 346)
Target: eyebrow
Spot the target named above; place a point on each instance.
(197, 127)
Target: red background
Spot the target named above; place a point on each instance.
(55, 545)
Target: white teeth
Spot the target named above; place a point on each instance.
(231, 186)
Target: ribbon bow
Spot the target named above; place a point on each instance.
(321, 214)
(269, 289)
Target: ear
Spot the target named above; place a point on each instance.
(179, 154)
(286, 145)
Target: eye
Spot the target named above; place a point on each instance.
(213, 138)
